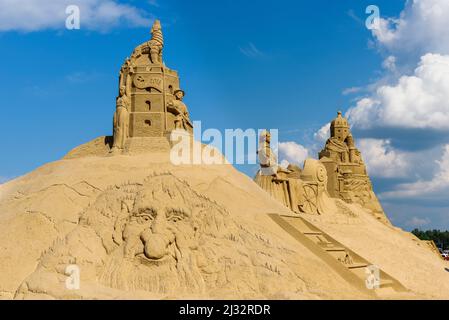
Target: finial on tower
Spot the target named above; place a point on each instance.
(156, 43)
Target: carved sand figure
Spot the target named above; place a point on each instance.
(270, 176)
(179, 109)
(152, 47)
(121, 121)
(347, 176)
(154, 104)
(267, 158)
(300, 190)
(197, 231)
(163, 238)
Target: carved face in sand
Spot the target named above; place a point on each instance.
(158, 228)
(163, 238)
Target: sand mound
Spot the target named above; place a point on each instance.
(137, 226)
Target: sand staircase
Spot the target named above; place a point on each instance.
(348, 264)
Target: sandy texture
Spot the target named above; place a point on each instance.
(140, 227)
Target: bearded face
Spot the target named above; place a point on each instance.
(163, 239)
(159, 241)
(156, 232)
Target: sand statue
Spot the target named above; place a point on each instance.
(271, 177)
(300, 190)
(199, 231)
(121, 115)
(121, 123)
(150, 92)
(267, 158)
(347, 176)
(179, 109)
(162, 238)
(154, 46)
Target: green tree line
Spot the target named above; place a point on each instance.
(441, 238)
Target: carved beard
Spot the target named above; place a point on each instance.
(175, 273)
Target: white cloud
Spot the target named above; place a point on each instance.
(37, 15)
(292, 152)
(421, 28)
(381, 159)
(436, 188)
(420, 100)
(417, 222)
(389, 63)
(251, 51)
(323, 133)
(351, 90)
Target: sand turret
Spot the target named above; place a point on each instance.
(347, 175)
(150, 101)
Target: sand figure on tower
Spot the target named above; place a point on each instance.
(179, 109)
(267, 158)
(121, 121)
(123, 103)
(152, 47)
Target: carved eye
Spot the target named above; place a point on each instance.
(145, 215)
(175, 215)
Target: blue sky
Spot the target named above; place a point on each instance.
(278, 64)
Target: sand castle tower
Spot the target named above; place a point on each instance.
(347, 176)
(149, 103)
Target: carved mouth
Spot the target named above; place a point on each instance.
(153, 262)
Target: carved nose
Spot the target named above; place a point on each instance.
(155, 246)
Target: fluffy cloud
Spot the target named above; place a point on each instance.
(420, 100)
(381, 159)
(323, 133)
(36, 15)
(292, 152)
(436, 188)
(416, 222)
(421, 28)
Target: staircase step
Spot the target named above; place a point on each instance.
(313, 233)
(331, 249)
(334, 253)
(358, 265)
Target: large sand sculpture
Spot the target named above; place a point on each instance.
(137, 226)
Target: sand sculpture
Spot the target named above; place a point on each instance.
(347, 176)
(149, 103)
(161, 237)
(137, 226)
(340, 173)
(300, 190)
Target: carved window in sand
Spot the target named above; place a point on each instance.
(148, 122)
(148, 103)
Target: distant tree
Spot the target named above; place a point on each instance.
(441, 238)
